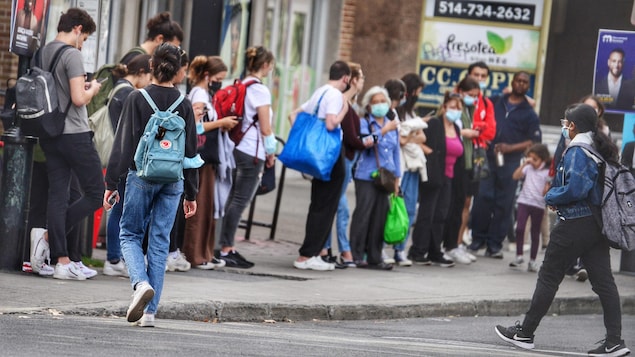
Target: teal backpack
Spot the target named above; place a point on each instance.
(161, 149)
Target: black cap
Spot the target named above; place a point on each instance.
(584, 117)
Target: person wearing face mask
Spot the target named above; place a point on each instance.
(464, 184)
(206, 75)
(325, 195)
(444, 139)
(353, 143)
(369, 217)
(576, 197)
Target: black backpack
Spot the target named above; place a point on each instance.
(36, 99)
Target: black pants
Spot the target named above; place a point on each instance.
(367, 224)
(66, 155)
(455, 210)
(427, 235)
(570, 239)
(325, 197)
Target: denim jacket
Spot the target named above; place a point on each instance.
(387, 147)
(575, 185)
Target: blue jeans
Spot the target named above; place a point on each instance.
(491, 211)
(410, 190)
(156, 204)
(246, 178)
(343, 214)
(113, 245)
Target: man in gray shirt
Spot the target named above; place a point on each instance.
(73, 152)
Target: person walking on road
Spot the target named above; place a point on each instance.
(576, 196)
(149, 205)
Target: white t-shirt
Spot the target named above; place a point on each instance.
(331, 103)
(200, 95)
(257, 95)
(532, 191)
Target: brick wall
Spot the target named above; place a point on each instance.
(386, 38)
(8, 61)
(347, 29)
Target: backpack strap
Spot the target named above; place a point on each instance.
(317, 107)
(589, 150)
(117, 89)
(176, 103)
(151, 102)
(56, 58)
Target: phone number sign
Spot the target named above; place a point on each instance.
(486, 10)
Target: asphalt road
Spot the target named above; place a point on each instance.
(57, 335)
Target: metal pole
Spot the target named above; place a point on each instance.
(17, 165)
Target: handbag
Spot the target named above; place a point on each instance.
(311, 148)
(383, 178)
(208, 146)
(396, 226)
(267, 181)
(480, 163)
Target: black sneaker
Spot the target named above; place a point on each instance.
(235, 260)
(333, 260)
(419, 260)
(610, 349)
(515, 336)
(443, 263)
(380, 266)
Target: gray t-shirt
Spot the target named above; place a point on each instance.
(70, 65)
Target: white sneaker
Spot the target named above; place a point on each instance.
(140, 298)
(469, 255)
(40, 252)
(213, 264)
(517, 262)
(46, 270)
(88, 272)
(119, 269)
(386, 259)
(177, 262)
(532, 266)
(68, 272)
(146, 321)
(314, 263)
(458, 256)
(402, 260)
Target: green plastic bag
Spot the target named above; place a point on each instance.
(396, 227)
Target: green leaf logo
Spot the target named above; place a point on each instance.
(500, 45)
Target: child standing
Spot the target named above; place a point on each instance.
(531, 201)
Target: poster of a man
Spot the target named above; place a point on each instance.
(614, 81)
(29, 27)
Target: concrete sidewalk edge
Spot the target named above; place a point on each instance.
(257, 312)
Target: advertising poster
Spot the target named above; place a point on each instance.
(505, 34)
(28, 30)
(234, 32)
(614, 76)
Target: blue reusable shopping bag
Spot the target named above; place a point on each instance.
(311, 148)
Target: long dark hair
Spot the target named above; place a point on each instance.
(602, 143)
(413, 82)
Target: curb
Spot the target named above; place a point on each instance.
(215, 311)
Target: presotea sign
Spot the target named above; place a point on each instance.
(506, 35)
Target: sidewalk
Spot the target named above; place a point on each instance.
(274, 290)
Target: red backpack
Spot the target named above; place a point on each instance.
(230, 101)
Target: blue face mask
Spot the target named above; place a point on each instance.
(453, 115)
(469, 100)
(379, 110)
(483, 85)
(565, 133)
